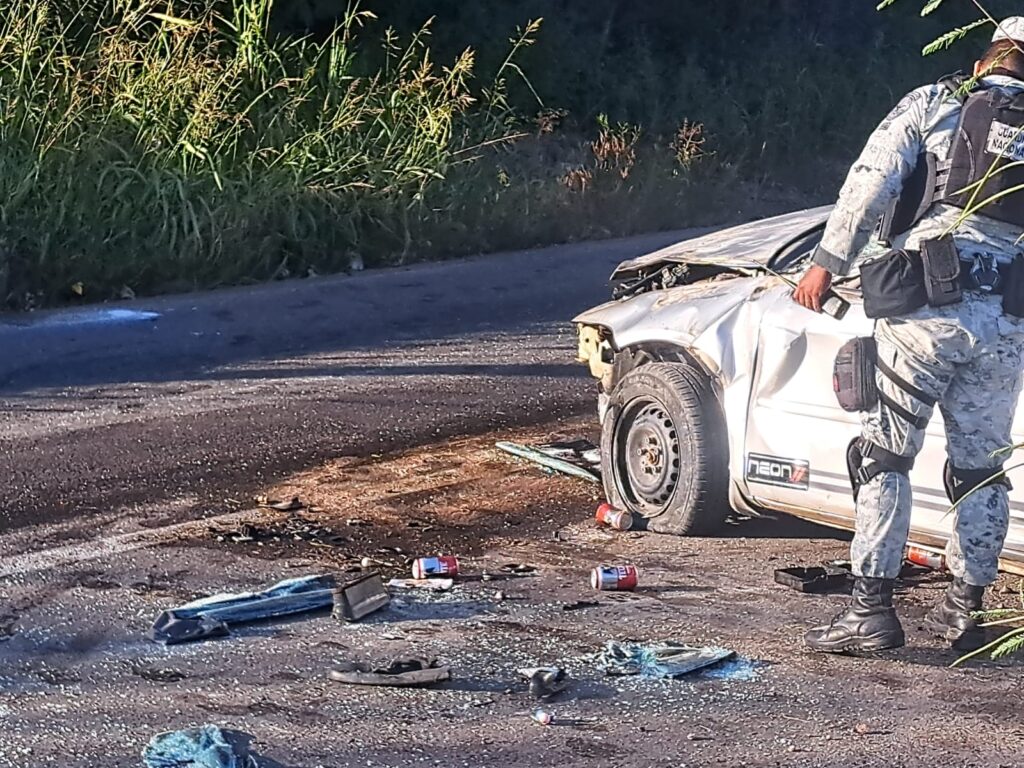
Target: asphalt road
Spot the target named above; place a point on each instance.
(160, 410)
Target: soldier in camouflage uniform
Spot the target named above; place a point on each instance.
(966, 358)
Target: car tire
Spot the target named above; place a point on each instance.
(664, 450)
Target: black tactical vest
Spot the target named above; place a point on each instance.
(985, 169)
(986, 161)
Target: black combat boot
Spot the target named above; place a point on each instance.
(951, 618)
(869, 624)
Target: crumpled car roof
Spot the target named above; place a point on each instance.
(747, 246)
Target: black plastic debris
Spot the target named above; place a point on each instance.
(813, 579)
(518, 569)
(172, 629)
(545, 682)
(580, 605)
(401, 672)
(360, 598)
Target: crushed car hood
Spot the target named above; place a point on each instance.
(747, 246)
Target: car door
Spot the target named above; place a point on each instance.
(797, 435)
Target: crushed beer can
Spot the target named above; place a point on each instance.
(619, 519)
(426, 567)
(614, 578)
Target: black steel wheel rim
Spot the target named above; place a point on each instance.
(647, 455)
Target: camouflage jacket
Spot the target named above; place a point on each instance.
(923, 121)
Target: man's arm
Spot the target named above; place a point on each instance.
(874, 181)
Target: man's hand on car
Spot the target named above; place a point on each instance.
(814, 284)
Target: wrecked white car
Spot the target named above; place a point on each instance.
(715, 390)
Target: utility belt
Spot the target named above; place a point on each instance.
(903, 281)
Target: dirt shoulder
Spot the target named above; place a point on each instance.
(82, 686)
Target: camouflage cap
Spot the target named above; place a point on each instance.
(1011, 28)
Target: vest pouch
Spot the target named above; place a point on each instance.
(941, 264)
(1013, 288)
(853, 377)
(893, 285)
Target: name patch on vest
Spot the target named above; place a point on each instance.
(1005, 140)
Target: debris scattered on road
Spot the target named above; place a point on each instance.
(209, 616)
(205, 747)
(432, 585)
(401, 672)
(614, 578)
(426, 567)
(619, 519)
(545, 682)
(543, 717)
(294, 528)
(171, 629)
(863, 729)
(814, 579)
(580, 452)
(360, 598)
(735, 670)
(158, 674)
(550, 462)
(580, 605)
(358, 522)
(294, 504)
(660, 660)
(518, 569)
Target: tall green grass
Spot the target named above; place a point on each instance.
(152, 150)
(170, 144)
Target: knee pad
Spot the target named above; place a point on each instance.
(959, 482)
(881, 460)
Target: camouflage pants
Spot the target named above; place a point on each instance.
(968, 357)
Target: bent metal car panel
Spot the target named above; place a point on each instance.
(717, 310)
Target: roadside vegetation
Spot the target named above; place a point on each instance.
(158, 146)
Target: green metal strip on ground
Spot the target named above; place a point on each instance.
(557, 465)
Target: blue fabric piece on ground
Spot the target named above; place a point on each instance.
(670, 660)
(205, 747)
(208, 616)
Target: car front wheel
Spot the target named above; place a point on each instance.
(664, 450)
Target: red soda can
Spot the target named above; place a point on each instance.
(425, 567)
(614, 577)
(619, 519)
(919, 556)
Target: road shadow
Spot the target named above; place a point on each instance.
(768, 525)
(200, 336)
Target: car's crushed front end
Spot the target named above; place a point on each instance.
(691, 298)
